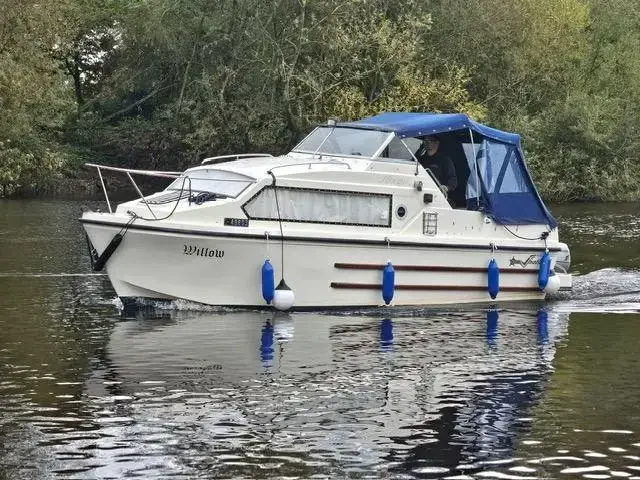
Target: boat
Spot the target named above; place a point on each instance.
(348, 218)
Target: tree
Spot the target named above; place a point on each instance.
(33, 96)
(196, 78)
(162, 83)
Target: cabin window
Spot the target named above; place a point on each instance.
(321, 206)
(398, 151)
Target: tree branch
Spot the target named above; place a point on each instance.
(135, 104)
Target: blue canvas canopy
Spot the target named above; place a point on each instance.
(420, 124)
(499, 182)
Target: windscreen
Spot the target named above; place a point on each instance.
(342, 141)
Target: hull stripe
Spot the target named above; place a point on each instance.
(429, 268)
(293, 238)
(466, 288)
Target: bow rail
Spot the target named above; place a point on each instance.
(128, 172)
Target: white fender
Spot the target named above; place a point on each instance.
(553, 285)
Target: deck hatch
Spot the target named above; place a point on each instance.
(168, 197)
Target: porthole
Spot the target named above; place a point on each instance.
(401, 212)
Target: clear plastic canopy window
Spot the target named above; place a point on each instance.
(499, 184)
(498, 167)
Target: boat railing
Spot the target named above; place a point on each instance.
(129, 172)
(237, 156)
(310, 164)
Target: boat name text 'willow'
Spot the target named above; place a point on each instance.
(203, 251)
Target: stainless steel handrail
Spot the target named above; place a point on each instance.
(234, 156)
(128, 172)
(336, 162)
(150, 173)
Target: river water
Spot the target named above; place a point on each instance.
(527, 391)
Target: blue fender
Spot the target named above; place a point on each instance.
(388, 283)
(545, 270)
(268, 281)
(493, 279)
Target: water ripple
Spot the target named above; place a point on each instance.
(529, 390)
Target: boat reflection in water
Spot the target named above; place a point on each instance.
(332, 394)
(480, 403)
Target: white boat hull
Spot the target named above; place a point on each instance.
(220, 269)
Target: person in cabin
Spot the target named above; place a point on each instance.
(438, 163)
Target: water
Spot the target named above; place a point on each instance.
(528, 391)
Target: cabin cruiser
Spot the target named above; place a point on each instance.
(349, 217)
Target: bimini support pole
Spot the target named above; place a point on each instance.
(410, 153)
(104, 189)
(475, 167)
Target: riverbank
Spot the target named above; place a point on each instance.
(62, 188)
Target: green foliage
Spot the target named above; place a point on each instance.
(247, 75)
(163, 83)
(565, 75)
(33, 97)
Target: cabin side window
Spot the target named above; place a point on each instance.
(320, 206)
(397, 151)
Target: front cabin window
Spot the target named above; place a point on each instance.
(208, 180)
